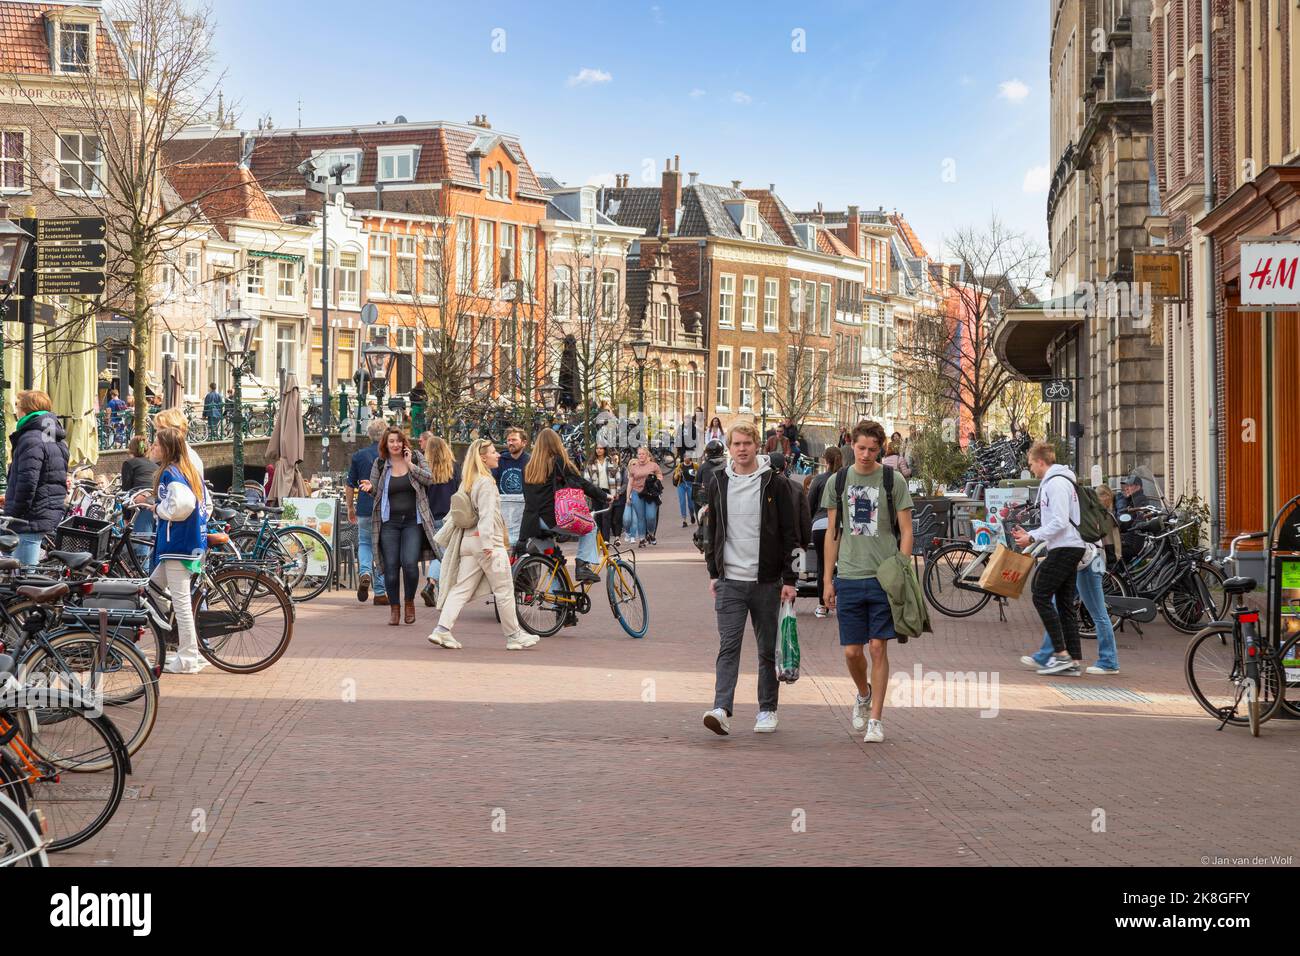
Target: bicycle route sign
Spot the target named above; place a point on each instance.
(1058, 390)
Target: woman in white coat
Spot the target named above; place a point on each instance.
(476, 561)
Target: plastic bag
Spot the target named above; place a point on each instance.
(787, 645)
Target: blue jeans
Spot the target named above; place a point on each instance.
(400, 538)
(684, 501)
(366, 553)
(587, 550)
(640, 517)
(1088, 584)
(144, 524)
(29, 547)
(434, 570)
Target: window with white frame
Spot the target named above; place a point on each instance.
(810, 304)
(13, 160)
(663, 326)
(464, 255)
(561, 291)
(81, 162)
(769, 364)
(528, 261)
(822, 378)
(327, 159)
(588, 206)
(167, 346)
(608, 295)
(190, 368)
(506, 253)
(722, 399)
(727, 301)
(379, 245)
(406, 265)
(586, 293)
(349, 279)
(749, 302)
(486, 243)
(255, 277)
(889, 331)
(193, 272)
(874, 333)
(286, 346)
(397, 163)
(796, 304)
(771, 293)
(746, 379)
(317, 279)
(345, 342)
(751, 226)
(74, 46)
(824, 310)
(286, 279)
(486, 340)
(432, 278)
(688, 388)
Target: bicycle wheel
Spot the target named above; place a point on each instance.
(1183, 605)
(942, 571)
(244, 619)
(128, 685)
(627, 598)
(67, 740)
(1112, 584)
(309, 562)
(1289, 661)
(19, 842)
(535, 579)
(1216, 676)
(268, 557)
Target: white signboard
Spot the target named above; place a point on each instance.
(317, 514)
(1270, 274)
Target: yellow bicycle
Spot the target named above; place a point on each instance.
(546, 597)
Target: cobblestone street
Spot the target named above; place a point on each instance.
(366, 745)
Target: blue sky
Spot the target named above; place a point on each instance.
(938, 109)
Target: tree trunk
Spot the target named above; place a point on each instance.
(140, 338)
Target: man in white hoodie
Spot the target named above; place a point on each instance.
(1058, 505)
(750, 539)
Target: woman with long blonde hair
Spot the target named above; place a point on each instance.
(475, 559)
(445, 477)
(549, 470)
(181, 539)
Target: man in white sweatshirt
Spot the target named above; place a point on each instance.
(1058, 504)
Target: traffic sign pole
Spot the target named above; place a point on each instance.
(66, 258)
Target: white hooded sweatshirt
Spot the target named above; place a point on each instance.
(744, 507)
(1058, 505)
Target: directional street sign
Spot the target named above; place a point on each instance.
(69, 228)
(69, 283)
(84, 256)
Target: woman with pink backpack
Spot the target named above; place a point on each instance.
(555, 496)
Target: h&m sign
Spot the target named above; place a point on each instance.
(1270, 273)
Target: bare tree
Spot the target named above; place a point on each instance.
(948, 356)
(1021, 405)
(802, 382)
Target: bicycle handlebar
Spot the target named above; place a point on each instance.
(1252, 536)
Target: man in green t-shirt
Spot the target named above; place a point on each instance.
(864, 539)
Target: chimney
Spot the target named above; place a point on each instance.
(677, 163)
(694, 177)
(735, 184)
(481, 120)
(853, 238)
(670, 197)
(771, 187)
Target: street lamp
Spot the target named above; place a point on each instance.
(764, 379)
(379, 362)
(640, 352)
(236, 329)
(863, 406)
(14, 241)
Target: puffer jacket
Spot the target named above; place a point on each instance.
(37, 489)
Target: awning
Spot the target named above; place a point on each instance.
(1023, 336)
(257, 254)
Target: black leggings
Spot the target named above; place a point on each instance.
(399, 541)
(1055, 579)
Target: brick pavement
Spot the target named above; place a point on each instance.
(365, 745)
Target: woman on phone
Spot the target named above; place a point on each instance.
(398, 480)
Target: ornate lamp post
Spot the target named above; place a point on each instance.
(764, 379)
(862, 404)
(640, 352)
(236, 329)
(379, 362)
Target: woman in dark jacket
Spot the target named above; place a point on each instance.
(445, 479)
(831, 456)
(37, 489)
(549, 469)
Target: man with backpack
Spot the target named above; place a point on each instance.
(1060, 504)
(869, 521)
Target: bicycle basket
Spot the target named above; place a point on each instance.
(82, 533)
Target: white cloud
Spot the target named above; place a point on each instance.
(601, 179)
(1037, 179)
(589, 77)
(657, 12)
(1013, 90)
(696, 93)
(741, 98)
(967, 79)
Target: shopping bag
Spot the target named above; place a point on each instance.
(1006, 572)
(787, 645)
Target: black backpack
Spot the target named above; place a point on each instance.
(841, 479)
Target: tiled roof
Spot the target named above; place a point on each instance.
(704, 213)
(909, 237)
(774, 213)
(636, 206)
(23, 46)
(224, 191)
(828, 242)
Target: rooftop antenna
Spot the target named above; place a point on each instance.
(300, 112)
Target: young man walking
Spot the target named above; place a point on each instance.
(1054, 582)
(862, 531)
(361, 512)
(750, 533)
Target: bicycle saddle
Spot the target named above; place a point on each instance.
(116, 589)
(8, 542)
(1239, 585)
(10, 564)
(218, 538)
(224, 514)
(43, 595)
(260, 509)
(75, 560)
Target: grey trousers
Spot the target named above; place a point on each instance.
(761, 603)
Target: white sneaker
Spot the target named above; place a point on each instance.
(861, 711)
(175, 665)
(766, 723)
(520, 640)
(443, 638)
(718, 721)
(1030, 662)
(875, 732)
(821, 611)
(1096, 669)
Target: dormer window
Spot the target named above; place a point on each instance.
(588, 207)
(397, 163)
(750, 227)
(72, 46)
(498, 184)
